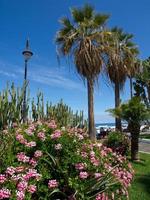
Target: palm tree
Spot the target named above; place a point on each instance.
(145, 75)
(121, 62)
(81, 38)
(133, 71)
(134, 112)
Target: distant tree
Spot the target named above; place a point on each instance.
(82, 38)
(121, 63)
(134, 112)
(133, 72)
(142, 83)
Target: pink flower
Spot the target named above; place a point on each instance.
(103, 153)
(32, 127)
(56, 134)
(109, 150)
(98, 175)
(22, 157)
(33, 162)
(95, 162)
(31, 188)
(80, 166)
(20, 169)
(22, 186)
(41, 136)
(2, 178)
(15, 125)
(29, 132)
(58, 146)
(38, 154)
(80, 137)
(32, 173)
(30, 144)
(83, 175)
(21, 139)
(5, 132)
(129, 165)
(52, 124)
(99, 145)
(84, 154)
(20, 195)
(10, 170)
(52, 184)
(101, 196)
(92, 153)
(17, 177)
(5, 193)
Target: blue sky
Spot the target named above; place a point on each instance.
(38, 20)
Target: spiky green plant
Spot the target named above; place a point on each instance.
(11, 104)
(11, 101)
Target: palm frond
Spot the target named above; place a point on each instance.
(88, 11)
(80, 39)
(100, 19)
(77, 15)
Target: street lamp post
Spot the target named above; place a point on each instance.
(27, 53)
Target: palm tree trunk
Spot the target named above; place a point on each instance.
(148, 91)
(131, 87)
(117, 103)
(135, 143)
(91, 124)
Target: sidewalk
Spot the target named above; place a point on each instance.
(144, 145)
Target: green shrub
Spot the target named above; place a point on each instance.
(118, 142)
(53, 164)
(7, 142)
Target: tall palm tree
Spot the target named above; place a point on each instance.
(81, 38)
(146, 76)
(133, 71)
(121, 62)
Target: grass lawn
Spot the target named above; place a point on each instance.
(145, 136)
(140, 188)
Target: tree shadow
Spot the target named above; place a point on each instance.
(144, 180)
(139, 162)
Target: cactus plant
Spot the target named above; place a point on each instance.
(11, 104)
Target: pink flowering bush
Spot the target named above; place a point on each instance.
(119, 142)
(50, 163)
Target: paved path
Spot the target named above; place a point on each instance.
(144, 145)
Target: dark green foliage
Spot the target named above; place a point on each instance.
(134, 111)
(118, 142)
(142, 84)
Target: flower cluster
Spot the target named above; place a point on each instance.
(20, 177)
(65, 161)
(2, 178)
(52, 184)
(56, 134)
(52, 124)
(5, 193)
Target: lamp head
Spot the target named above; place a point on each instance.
(27, 52)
